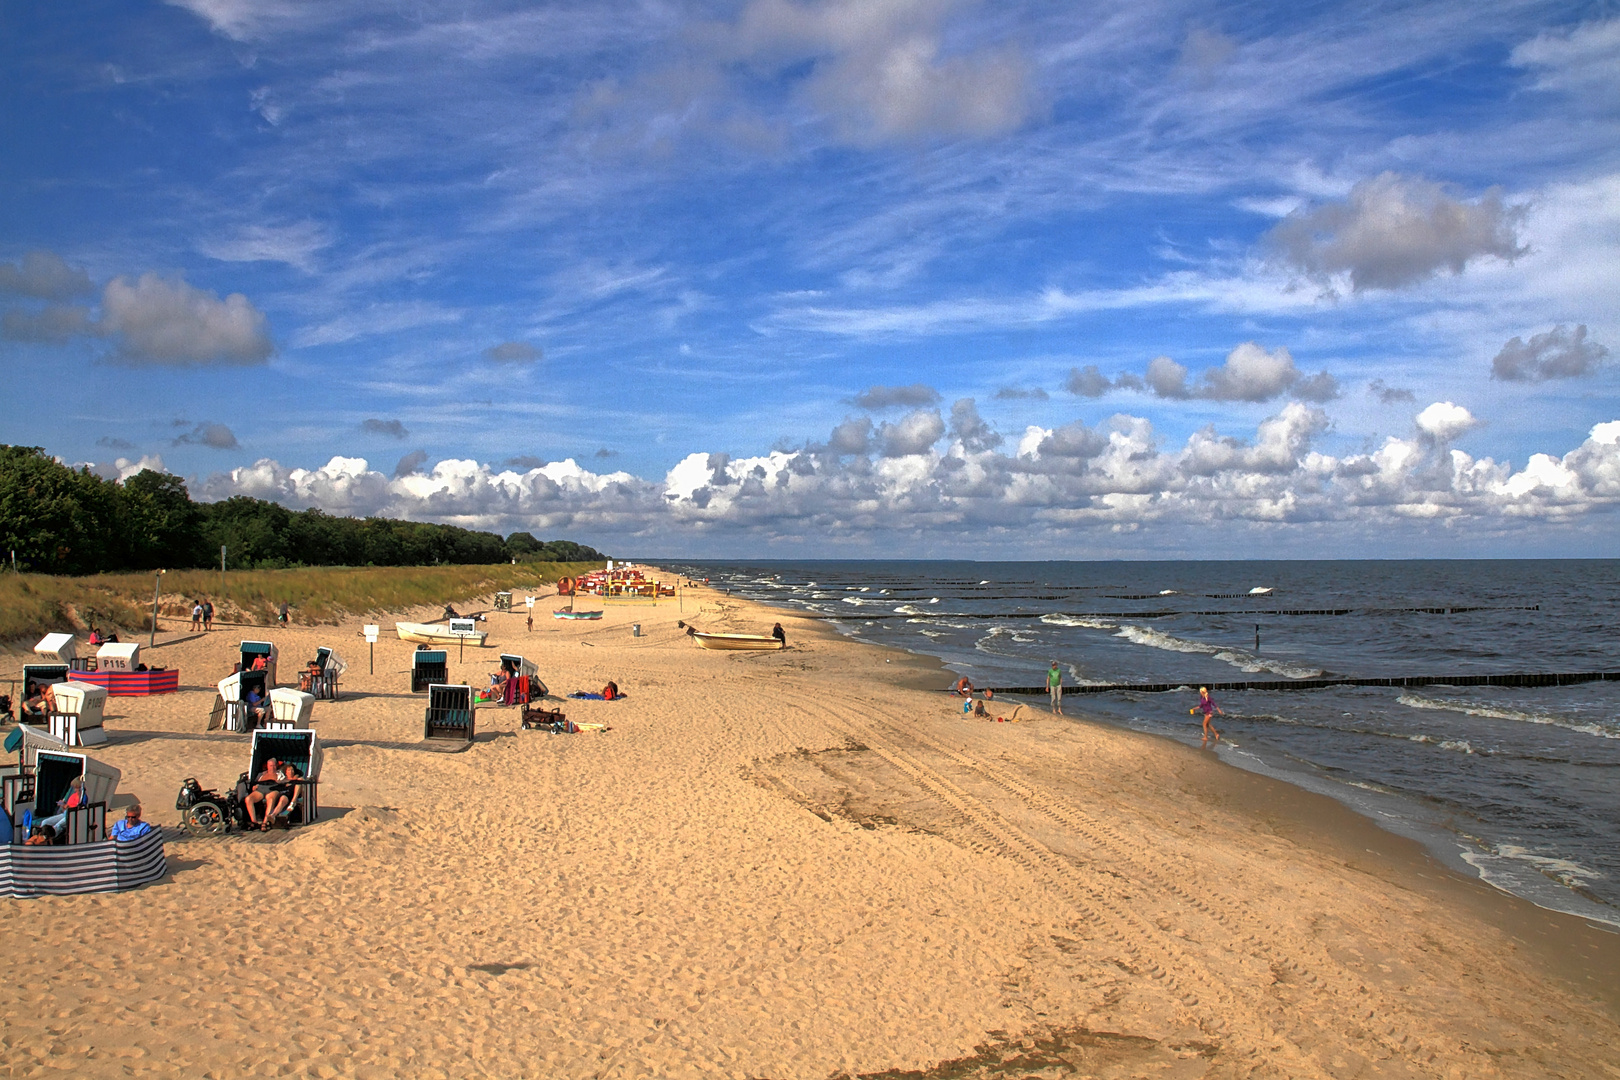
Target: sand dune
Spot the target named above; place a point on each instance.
(788, 864)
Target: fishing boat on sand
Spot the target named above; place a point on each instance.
(436, 634)
(566, 614)
(737, 641)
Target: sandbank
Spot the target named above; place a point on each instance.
(794, 864)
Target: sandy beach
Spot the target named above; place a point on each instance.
(800, 864)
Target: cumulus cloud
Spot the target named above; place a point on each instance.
(123, 468)
(1444, 421)
(513, 352)
(1088, 382)
(914, 433)
(969, 429)
(213, 436)
(1250, 373)
(892, 397)
(44, 275)
(1116, 476)
(1557, 354)
(393, 429)
(162, 321)
(1389, 395)
(113, 443)
(1394, 231)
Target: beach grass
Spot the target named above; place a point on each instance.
(32, 605)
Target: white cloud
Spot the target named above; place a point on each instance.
(163, 321)
(912, 434)
(1556, 354)
(1583, 60)
(213, 436)
(1444, 421)
(376, 319)
(44, 275)
(1250, 373)
(1056, 481)
(1394, 231)
(295, 244)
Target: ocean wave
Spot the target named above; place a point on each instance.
(1244, 661)
(907, 609)
(1077, 620)
(858, 602)
(1500, 712)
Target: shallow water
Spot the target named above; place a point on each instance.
(1521, 786)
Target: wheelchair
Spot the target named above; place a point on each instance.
(205, 810)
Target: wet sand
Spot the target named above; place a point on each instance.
(794, 864)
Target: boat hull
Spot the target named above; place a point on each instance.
(434, 634)
(743, 642)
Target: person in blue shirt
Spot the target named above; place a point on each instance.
(132, 827)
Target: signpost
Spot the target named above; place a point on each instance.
(372, 631)
(463, 629)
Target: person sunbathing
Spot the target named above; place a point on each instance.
(265, 785)
(286, 792)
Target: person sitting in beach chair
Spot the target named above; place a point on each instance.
(258, 713)
(266, 787)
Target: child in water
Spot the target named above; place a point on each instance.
(1207, 706)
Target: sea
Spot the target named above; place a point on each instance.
(1519, 786)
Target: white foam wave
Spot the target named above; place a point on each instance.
(1077, 620)
(933, 599)
(1260, 590)
(1158, 639)
(907, 609)
(1499, 712)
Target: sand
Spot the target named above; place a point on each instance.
(794, 864)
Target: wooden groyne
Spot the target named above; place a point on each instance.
(1161, 613)
(1562, 678)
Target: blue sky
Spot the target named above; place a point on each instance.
(893, 277)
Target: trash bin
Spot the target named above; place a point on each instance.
(635, 629)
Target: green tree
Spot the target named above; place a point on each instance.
(57, 520)
(160, 522)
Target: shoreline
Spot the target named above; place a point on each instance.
(1582, 951)
(798, 864)
(1435, 841)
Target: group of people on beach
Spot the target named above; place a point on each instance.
(202, 615)
(1054, 687)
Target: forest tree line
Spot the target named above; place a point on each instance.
(70, 521)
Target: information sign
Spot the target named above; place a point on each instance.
(373, 631)
(463, 627)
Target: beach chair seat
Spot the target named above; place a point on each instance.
(449, 713)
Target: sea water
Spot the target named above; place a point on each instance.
(1520, 786)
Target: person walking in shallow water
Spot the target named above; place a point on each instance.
(1207, 706)
(1054, 686)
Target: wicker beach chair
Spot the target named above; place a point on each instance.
(428, 666)
(77, 719)
(301, 749)
(233, 693)
(325, 683)
(449, 713)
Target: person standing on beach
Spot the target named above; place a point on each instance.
(1207, 706)
(208, 615)
(1054, 686)
(196, 616)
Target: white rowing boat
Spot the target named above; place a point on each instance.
(737, 641)
(435, 634)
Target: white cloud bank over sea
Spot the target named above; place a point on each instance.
(1073, 491)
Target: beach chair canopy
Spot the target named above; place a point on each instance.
(330, 662)
(253, 650)
(82, 700)
(428, 657)
(235, 686)
(54, 771)
(288, 706)
(428, 666)
(36, 676)
(298, 748)
(118, 656)
(29, 741)
(516, 665)
(58, 647)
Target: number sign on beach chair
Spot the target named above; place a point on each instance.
(428, 666)
(449, 713)
(301, 749)
(77, 719)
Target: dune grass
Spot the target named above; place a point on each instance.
(32, 605)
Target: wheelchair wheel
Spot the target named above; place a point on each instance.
(207, 817)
